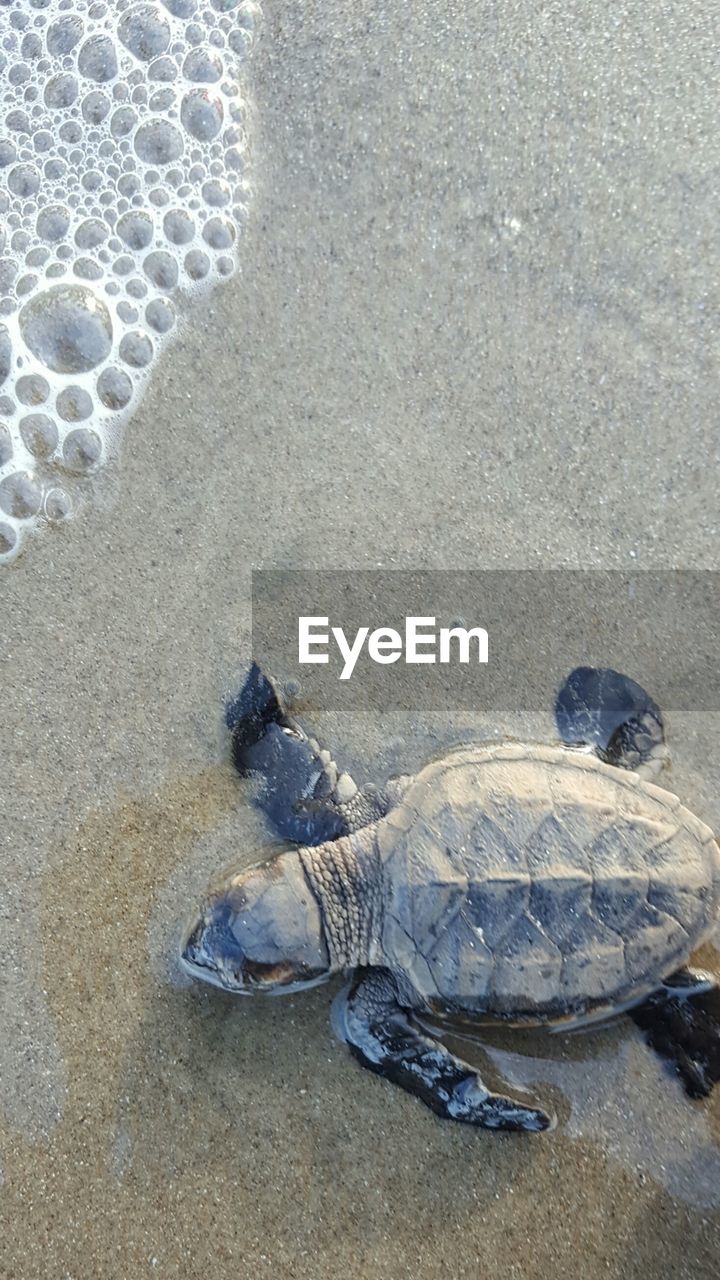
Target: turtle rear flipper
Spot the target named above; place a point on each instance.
(303, 794)
(611, 713)
(385, 1038)
(682, 1024)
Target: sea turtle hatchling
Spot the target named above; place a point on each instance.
(527, 883)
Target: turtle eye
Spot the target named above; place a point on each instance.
(269, 975)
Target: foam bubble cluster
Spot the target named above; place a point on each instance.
(123, 152)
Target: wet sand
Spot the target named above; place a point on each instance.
(474, 328)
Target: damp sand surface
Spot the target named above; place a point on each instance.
(473, 329)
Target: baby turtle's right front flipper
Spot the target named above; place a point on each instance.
(384, 1038)
(302, 793)
(606, 710)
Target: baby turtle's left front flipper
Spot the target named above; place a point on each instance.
(606, 710)
(681, 1023)
(384, 1038)
(302, 793)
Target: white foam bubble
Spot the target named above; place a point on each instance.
(123, 151)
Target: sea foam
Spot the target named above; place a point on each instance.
(123, 184)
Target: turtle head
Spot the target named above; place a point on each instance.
(260, 931)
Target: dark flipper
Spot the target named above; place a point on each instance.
(685, 1029)
(301, 793)
(608, 711)
(384, 1037)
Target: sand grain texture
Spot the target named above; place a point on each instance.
(474, 328)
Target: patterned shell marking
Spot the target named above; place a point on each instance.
(521, 877)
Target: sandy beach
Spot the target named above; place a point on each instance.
(474, 327)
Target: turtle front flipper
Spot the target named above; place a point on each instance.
(384, 1037)
(302, 793)
(681, 1023)
(606, 710)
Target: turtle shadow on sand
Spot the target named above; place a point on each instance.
(257, 1099)
(260, 1095)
